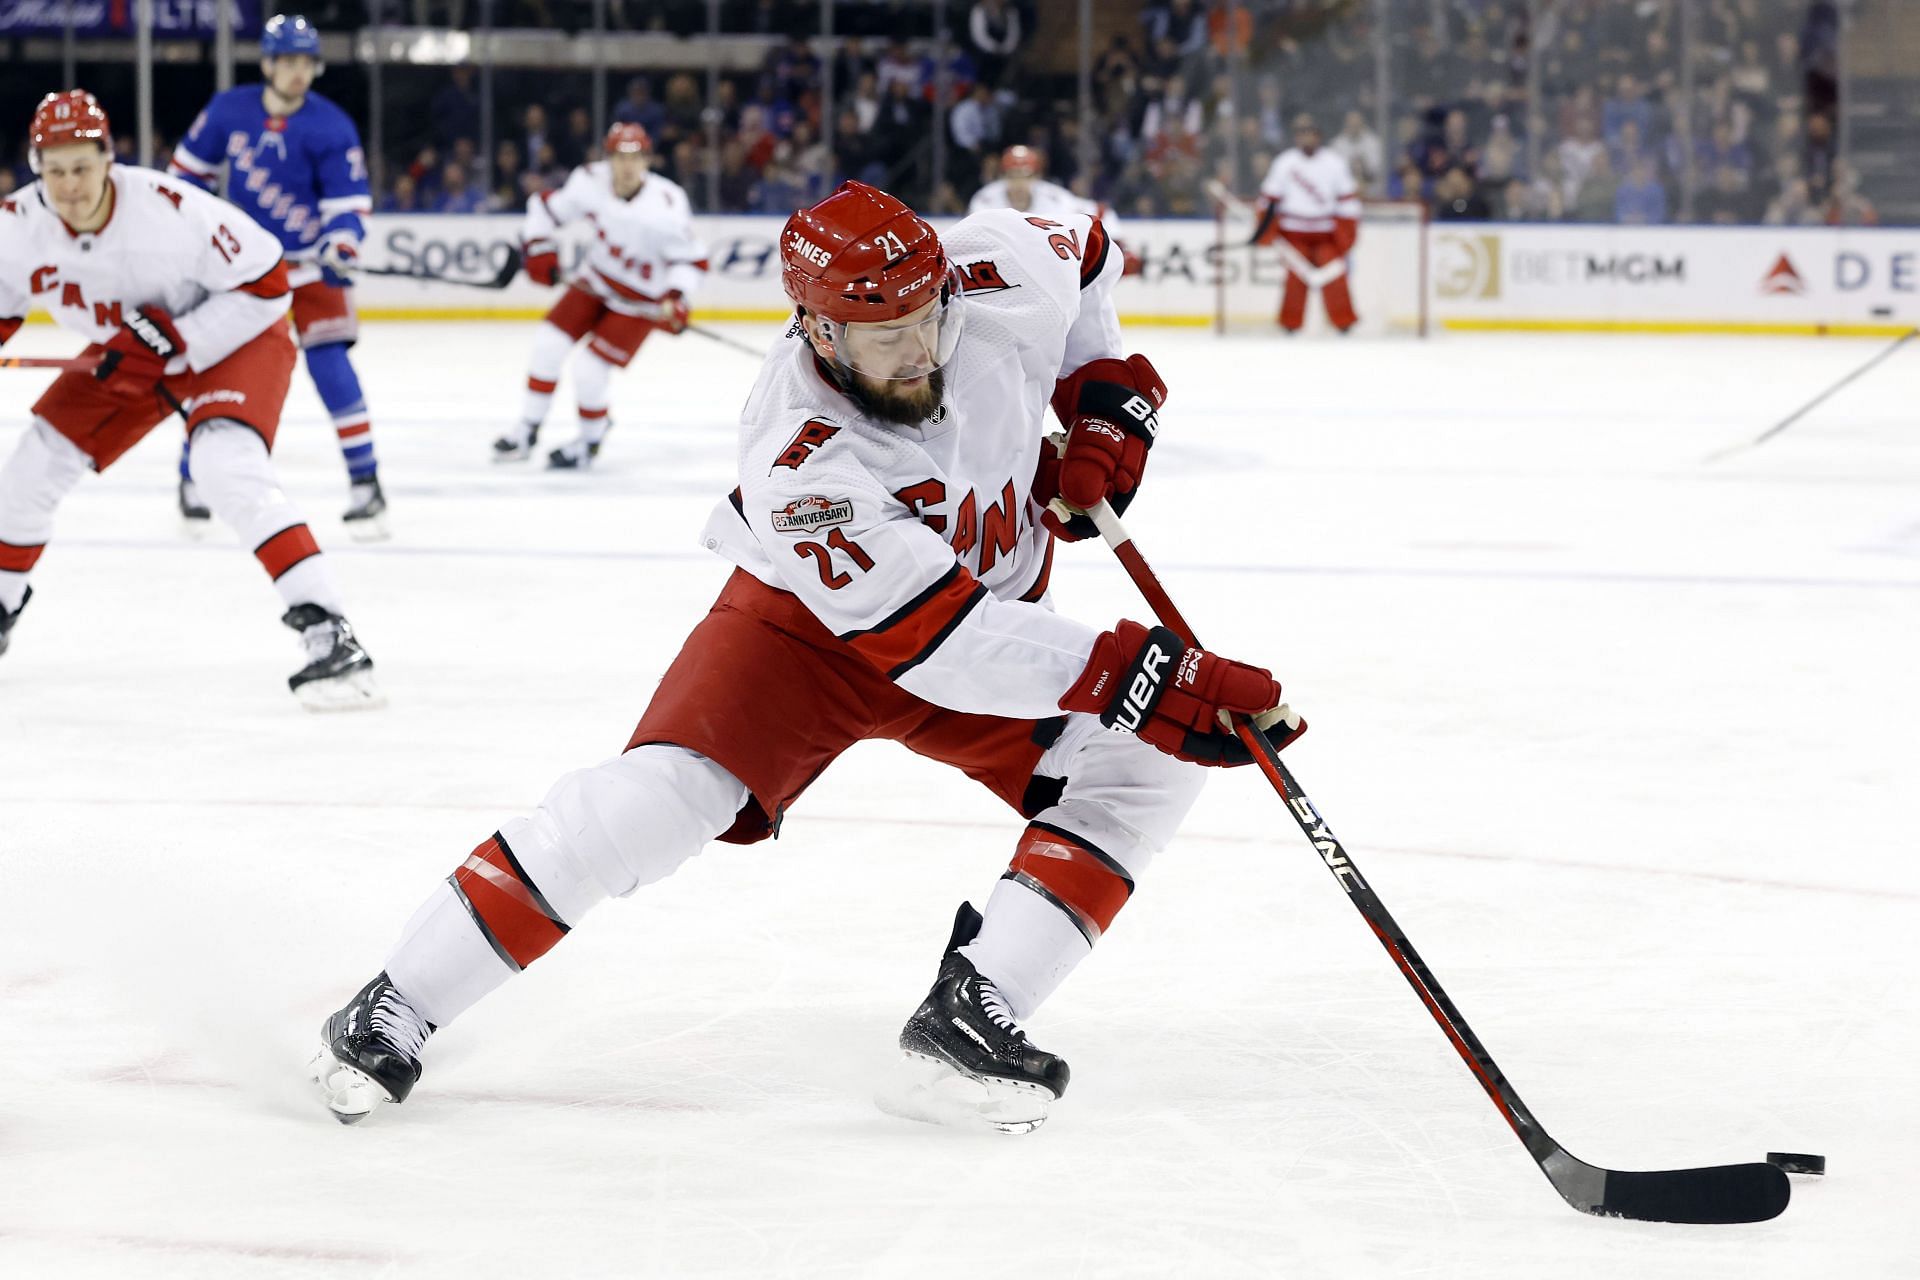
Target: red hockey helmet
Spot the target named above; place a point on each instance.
(630, 139)
(862, 257)
(65, 118)
(1019, 162)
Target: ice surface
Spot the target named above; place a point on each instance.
(1628, 743)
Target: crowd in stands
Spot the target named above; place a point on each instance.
(1192, 91)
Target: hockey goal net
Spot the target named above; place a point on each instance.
(1386, 272)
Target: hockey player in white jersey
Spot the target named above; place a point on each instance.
(892, 539)
(1021, 187)
(183, 301)
(642, 267)
(1309, 205)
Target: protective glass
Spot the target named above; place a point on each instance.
(897, 353)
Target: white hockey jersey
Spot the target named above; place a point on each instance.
(1047, 200)
(1311, 191)
(167, 243)
(643, 248)
(921, 546)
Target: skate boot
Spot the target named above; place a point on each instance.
(8, 619)
(193, 509)
(339, 674)
(517, 444)
(575, 455)
(369, 1052)
(366, 517)
(966, 1061)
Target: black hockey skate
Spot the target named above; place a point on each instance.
(339, 674)
(575, 455)
(369, 1052)
(8, 619)
(366, 513)
(517, 444)
(967, 1062)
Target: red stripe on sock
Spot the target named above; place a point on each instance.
(285, 549)
(592, 415)
(15, 558)
(1076, 878)
(541, 385)
(504, 905)
(360, 429)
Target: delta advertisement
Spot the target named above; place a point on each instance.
(1479, 275)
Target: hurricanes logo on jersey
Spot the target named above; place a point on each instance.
(983, 277)
(809, 437)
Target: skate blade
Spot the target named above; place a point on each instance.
(518, 454)
(368, 529)
(349, 1093)
(936, 1092)
(354, 691)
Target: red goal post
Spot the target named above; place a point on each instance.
(1386, 272)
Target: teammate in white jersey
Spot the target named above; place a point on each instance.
(642, 266)
(183, 301)
(1309, 204)
(892, 539)
(1021, 187)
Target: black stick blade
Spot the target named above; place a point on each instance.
(1723, 1193)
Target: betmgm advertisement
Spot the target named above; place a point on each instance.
(1862, 281)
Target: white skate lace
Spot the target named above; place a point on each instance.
(394, 1021)
(319, 638)
(994, 1005)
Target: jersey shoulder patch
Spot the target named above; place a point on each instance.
(813, 433)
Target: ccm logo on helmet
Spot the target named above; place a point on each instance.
(1143, 691)
(811, 252)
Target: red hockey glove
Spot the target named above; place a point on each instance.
(541, 260)
(1130, 263)
(1111, 411)
(674, 307)
(1177, 699)
(136, 358)
(1345, 232)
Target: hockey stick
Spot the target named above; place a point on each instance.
(1295, 262)
(1722, 1193)
(501, 279)
(1814, 403)
(75, 364)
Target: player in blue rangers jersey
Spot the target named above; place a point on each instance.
(297, 169)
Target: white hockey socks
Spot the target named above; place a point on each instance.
(44, 467)
(549, 354)
(236, 480)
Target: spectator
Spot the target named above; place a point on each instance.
(682, 106)
(638, 107)
(508, 170)
(794, 69)
(975, 126)
(1729, 202)
(1360, 147)
(534, 134)
(1580, 154)
(1846, 207)
(1627, 106)
(756, 142)
(577, 144)
(899, 66)
(455, 110)
(902, 122)
(1791, 208)
(866, 100)
(1641, 200)
(994, 34)
(1457, 197)
(459, 193)
(1720, 151)
(1594, 200)
(1174, 105)
(857, 150)
(1500, 158)
(1817, 158)
(1180, 24)
(403, 197)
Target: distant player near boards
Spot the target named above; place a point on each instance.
(183, 300)
(1021, 187)
(296, 167)
(642, 266)
(892, 541)
(1309, 206)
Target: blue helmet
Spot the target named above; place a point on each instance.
(286, 34)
